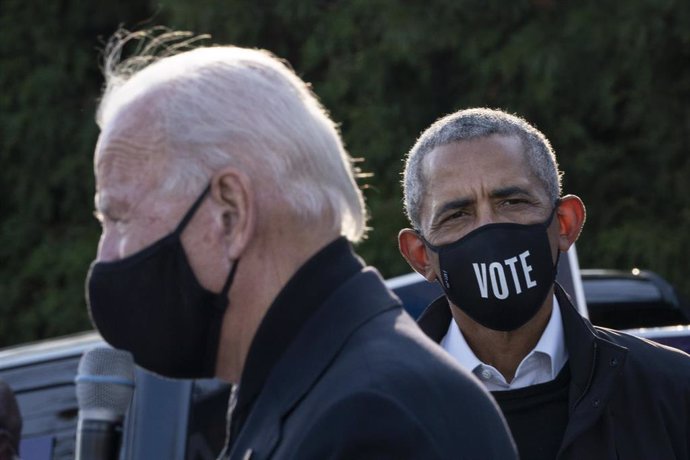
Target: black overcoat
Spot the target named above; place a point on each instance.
(361, 381)
(629, 398)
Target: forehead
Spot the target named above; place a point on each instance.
(129, 153)
(473, 169)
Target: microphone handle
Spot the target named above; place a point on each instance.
(98, 440)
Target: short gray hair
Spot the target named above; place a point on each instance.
(224, 105)
(471, 124)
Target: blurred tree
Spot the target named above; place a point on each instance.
(607, 82)
(50, 80)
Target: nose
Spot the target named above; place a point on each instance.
(107, 247)
(486, 215)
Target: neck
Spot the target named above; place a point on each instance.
(504, 350)
(266, 268)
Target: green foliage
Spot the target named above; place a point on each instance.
(50, 80)
(608, 83)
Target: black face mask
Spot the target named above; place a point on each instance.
(499, 274)
(152, 305)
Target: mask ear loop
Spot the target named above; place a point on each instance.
(558, 251)
(553, 212)
(430, 246)
(222, 302)
(188, 216)
(426, 242)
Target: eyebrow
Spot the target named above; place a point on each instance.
(460, 203)
(509, 191)
(451, 205)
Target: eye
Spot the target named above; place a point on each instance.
(515, 202)
(107, 220)
(457, 214)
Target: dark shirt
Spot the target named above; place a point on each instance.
(537, 416)
(297, 301)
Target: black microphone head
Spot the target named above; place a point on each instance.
(105, 384)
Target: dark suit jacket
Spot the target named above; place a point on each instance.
(629, 398)
(362, 381)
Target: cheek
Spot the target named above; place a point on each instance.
(206, 254)
(108, 246)
(209, 265)
(138, 236)
(116, 245)
(131, 243)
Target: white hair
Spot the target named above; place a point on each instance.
(225, 105)
(472, 124)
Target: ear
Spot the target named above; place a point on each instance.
(415, 253)
(571, 217)
(231, 190)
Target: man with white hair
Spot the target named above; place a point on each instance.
(228, 206)
(483, 194)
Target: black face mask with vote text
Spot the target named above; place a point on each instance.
(152, 305)
(499, 274)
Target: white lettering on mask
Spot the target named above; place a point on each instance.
(496, 271)
(497, 276)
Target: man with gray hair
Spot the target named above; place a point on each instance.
(483, 193)
(228, 208)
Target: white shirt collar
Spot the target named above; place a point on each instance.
(540, 365)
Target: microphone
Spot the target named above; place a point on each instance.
(105, 384)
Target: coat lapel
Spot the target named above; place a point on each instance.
(595, 366)
(595, 363)
(312, 352)
(435, 319)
